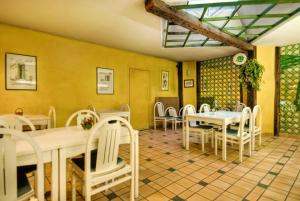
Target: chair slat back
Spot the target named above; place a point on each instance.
(80, 115)
(108, 146)
(52, 116)
(8, 173)
(107, 132)
(160, 109)
(16, 122)
(189, 109)
(125, 107)
(246, 118)
(257, 117)
(92, 108)
(240, 107)
(172, 112)
(204, 108)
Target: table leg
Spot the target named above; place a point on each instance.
(62, 175)
(224, 141)
(54, 176)
(136, 168)
(187, 135)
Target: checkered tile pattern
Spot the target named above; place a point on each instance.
(168, 172)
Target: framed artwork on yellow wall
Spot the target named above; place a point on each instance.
(189, 83)
(20, 72)
(105, 81)
(165, 80)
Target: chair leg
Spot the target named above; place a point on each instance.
(216, 144)
(253, 142)
(241, 147)
(202, 141)
(132, 190)
(154, 124)
(212, 139)
(259, 139)
(73, 179)
(165, 125)
(250, 148)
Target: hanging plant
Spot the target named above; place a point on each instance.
(251, 74)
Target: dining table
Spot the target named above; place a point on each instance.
(59, 144)
(220, 118)
(39, 119)
(109, 113)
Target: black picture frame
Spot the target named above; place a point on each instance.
(189, 83)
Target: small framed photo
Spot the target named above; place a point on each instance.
(20, 72)
(105, 81)
(189, 83)
(165, 80)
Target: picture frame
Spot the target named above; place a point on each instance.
(20, 72)
(105, 80)
(165, 80)
(189, 83)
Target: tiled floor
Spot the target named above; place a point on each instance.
(168, 172)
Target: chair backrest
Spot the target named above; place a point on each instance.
(246, 118)
(52, 116)
(171, 111)
(16, 122)
(8, 173)
(180, 111)
(160, 109)
(107, 132)
(240, 107)
(92, 108)
(125, 107)
(189, 109)
(257, 117)
(204, 108)
(81, 115)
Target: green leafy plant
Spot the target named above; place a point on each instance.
(251, 74)
(87, 123)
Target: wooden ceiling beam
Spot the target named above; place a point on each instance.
(188, 21)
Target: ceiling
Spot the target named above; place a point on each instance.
(122, 24)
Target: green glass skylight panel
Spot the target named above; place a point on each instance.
(244, 19)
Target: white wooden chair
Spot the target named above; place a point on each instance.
(81, 115)
(52, 116)
(161, 115)
(176, 119)
(16, 122)
(195, 129)
(102, 168)
(92, 108)
(240, 106)
(256, 125)
(126, 108)
(14, 185)
(204, 108)
(241, 136)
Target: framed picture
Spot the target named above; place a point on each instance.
(105, 81)
(20, 72)
(189, 83)
(204, 84)
(165, 80)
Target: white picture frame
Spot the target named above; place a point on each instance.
(105, 80)
(20, 72)
(165, 80)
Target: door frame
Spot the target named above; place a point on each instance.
(149, 94)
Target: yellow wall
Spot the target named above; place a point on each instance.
(66, 73)
(189, 94)
(265, 97)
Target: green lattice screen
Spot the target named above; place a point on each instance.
(219, 81)
(290, 89)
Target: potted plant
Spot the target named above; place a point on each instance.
(251, 74)
(87, 123)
